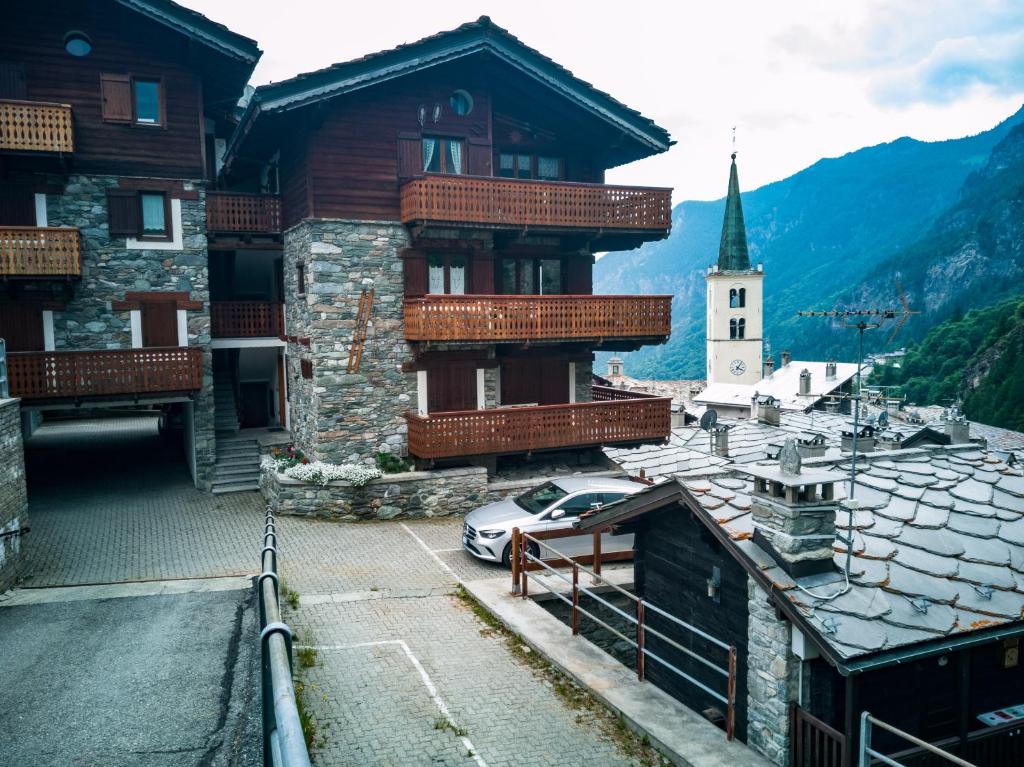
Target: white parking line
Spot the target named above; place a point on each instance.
(429, 551)
(424, 676)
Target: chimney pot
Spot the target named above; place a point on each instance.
(805, 381)
(785, 358)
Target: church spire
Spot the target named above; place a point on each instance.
(732, 252)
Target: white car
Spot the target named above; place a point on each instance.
(554, 505)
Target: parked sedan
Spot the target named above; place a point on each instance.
(554, 505)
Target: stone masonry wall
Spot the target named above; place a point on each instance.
(771, 678)
(403, 496)
(13, 498)
(338, 416)
(110, 269)
(584, 381)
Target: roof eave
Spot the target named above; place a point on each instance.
(182, 20)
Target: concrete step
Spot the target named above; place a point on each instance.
(252, 456)
(242, 472)
(235, 488)
(238, 463)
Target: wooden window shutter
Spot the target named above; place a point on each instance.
(580, 276)
(116, 94)
(123, 215)
(414, 270)
(17, 205)
(410, 156)
(478, 162)
(12, 81)
(306, 366)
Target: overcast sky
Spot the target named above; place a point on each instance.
(799, 80)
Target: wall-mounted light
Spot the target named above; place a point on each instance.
(421, 115)
(437, 112)
(943, 661)
(715, 584)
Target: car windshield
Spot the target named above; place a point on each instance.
(538, 499)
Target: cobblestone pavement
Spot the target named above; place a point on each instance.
(398, 651)
(110, 501)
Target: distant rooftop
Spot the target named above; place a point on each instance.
(783, 385)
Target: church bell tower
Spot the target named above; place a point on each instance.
(735, 301)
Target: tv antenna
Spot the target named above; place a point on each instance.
(734, 140)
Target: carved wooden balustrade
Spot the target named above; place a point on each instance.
(523, 429)
(243, 213)
(51, 375)
(246, 319)
(516, 318)
(39, 251)
(36, 126)
(484, 200)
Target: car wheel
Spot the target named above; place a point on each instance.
(506, 555)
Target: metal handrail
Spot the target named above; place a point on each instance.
(283, 742)
(522, 540)
(867, 752)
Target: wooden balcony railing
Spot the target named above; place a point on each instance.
(243, 213)
(545, 427)
(36, 126)
(246, 319)
(52, 375)
(516, 318)
(516, 203)
(812, 743)
(39, 251)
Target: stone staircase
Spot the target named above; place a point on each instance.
(238, 464)
(225, 409)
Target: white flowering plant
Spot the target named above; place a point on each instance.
(320, 473)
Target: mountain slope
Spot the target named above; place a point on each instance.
(817, 232)
(978, 358)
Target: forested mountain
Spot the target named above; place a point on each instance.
(936, 214)
(977, 358)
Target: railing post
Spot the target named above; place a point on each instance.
(524, 579)
(640, 636)
(597, 556)
(863, 760)
(515, 559)
(730, 717)
(575, 598)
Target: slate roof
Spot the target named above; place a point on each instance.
(750, 440)
(938, 548)
(662, 461)
(783, 384)
(470, 38)
(732, 250)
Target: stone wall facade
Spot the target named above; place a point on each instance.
(410, 495)
(13, 495)
(584, 380)
(339, 416)
(110, 269)
(772, 678)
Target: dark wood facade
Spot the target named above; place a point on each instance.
(675, 557)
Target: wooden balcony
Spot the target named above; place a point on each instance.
(556, 206)
(92, 374)
(246, 319)
(38, 251)
(36, 126)
(537, 318)
(505, 430)
(243, 214)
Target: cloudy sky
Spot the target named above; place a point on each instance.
(799, 80)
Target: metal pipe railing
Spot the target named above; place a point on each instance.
(520, 580)
(866, 752)
(283, 742)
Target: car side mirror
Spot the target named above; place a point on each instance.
(557, 514)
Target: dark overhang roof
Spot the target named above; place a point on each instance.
(471, 38)
(197, 27)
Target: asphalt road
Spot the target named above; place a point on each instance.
(167, 679)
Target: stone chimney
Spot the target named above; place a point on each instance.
(769, 367)
(832, 405)
(805, 381)
(785, 358)
(957, 427)
(865, 438)
(830, 370)
(720, 440)
(810, 444)
(794, 513)
(887, 440)
(768, 409)
(615, 367)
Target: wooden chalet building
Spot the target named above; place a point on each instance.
(112, 113)
(441, 204)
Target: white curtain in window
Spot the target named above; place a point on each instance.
(153, 213)
(457, 276)
(436, 278)
(547, 167)
(456, 150)
(429, 146)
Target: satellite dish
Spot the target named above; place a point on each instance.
(709, 419)
(883, 419)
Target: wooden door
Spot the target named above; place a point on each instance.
(17, 205)
(451, 387)
(159, 323)
(535, 380)
(12, 81)
(21, 326)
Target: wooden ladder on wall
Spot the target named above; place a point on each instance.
(355, 354)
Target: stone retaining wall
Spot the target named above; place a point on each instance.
(410, 495)
(13, 496)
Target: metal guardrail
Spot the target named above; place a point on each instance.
(866, 752)
(283, 742)
(523, 540)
